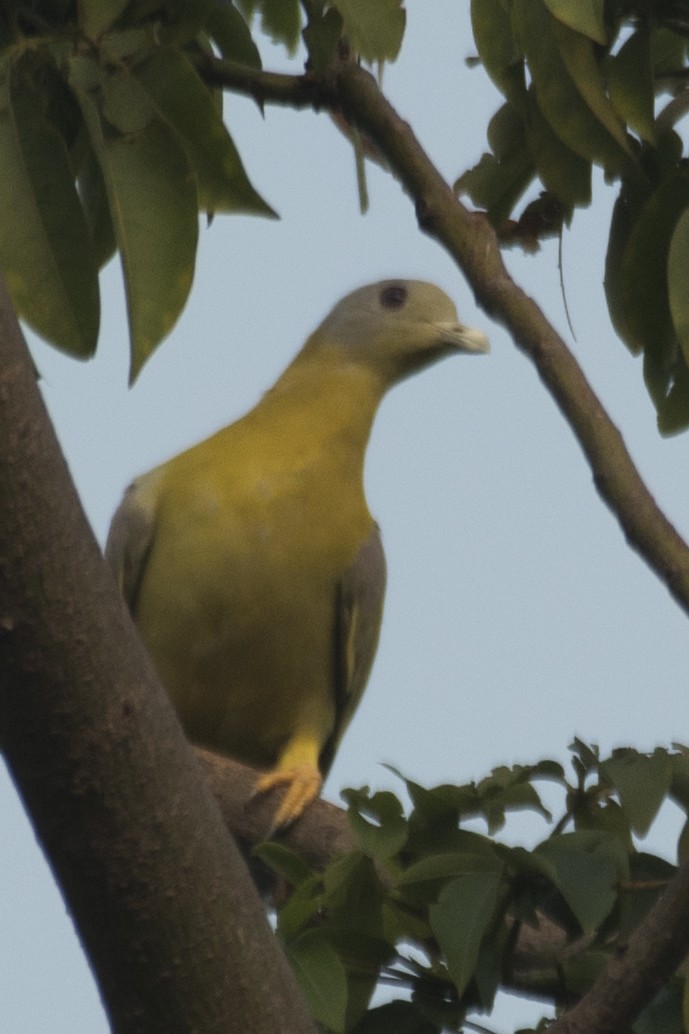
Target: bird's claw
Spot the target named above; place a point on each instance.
(303, 784)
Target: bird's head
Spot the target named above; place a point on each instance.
(395, 327)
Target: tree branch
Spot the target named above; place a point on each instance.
(662, 941)
(469, 238)
(631, 980)
(293, 91)
(471, 241)
(321, 832)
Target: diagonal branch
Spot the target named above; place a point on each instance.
(662, 941)
(631, 980)
(470, 240)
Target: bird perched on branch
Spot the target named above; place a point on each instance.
(251, 564)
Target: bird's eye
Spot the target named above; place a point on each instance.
(393, 297)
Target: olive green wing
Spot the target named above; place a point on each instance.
(130, 539)
(358, 617)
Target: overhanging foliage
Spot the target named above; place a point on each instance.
(433, 904)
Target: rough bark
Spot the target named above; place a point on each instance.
(168, 916)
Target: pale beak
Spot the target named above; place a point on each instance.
(464, 339)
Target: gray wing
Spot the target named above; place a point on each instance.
(129, 542)
(358, 617)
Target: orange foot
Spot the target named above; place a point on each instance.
(303, 784)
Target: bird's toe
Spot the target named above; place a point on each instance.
(303, 784)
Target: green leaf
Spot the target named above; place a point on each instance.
(283, 861)
(505, 131)
(668, 51)
(280, 19)
(401, 923)
(508, 789)
(648, 878)
(497, 47)
(683, 844)
(122, 47)
(173, 89)
(569, 88)
(400, 1017)
(642, 782)
(125, 105)
(153, 206)
(526, 863)
(378, 822)
(94, 198)
(374, 30)
(642, 279)
(677, 275)
(680, 779)
(593, 813)
(578, 56)
(669, 389)
(298, 912)
(626, 211)
(517, 797)
(562, 172)
(450, 864)
(446, 800)
(321, 977)
(350, 908)
(665, 1013)
(588, 866)
(440, 835)
(584, 16)
(586, 753)
(229, 31)
(97, 16)
(181, 21)
(45, 244)
(630, 84)
(321, 36)
(500, 179)
(460, 919)
(636, 277)
(433, 823)
(489, 968)
(548, 769)
(435, 1002)
(353, 894)
(363, 957)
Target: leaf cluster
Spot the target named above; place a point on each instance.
(599, 83)
(433, 907)
(109, 140)
(374, 31)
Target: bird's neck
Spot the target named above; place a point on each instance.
(327, 402)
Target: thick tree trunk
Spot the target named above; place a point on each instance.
(167, 914)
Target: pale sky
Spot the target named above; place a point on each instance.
(516, 615)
